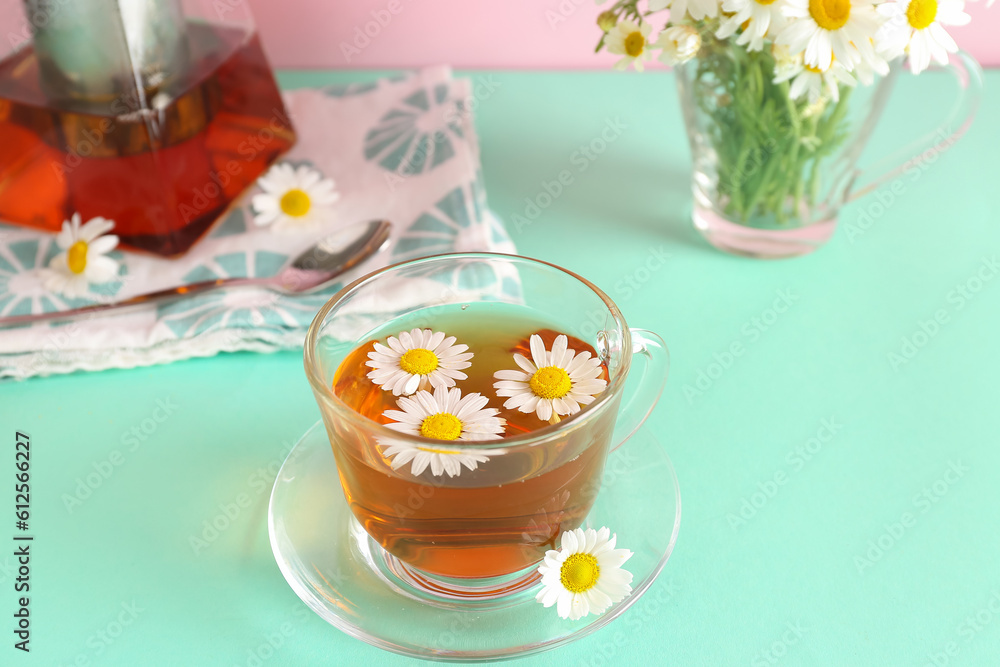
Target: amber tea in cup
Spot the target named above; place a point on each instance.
(487, 521)
(474, 509)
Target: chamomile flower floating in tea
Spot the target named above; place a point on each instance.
(443, 415)
(553, 383)
(83, 259)
(418, 359)
(915, 27)
(293, 199)
(585, 576)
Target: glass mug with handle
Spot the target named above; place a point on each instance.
(477, 533)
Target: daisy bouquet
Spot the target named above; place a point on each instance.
(770, 82)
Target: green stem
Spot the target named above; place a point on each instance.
(769, 157)
(762, 183)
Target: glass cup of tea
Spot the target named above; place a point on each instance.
(471, 519)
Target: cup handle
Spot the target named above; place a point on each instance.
(651, 349)
(969, 75)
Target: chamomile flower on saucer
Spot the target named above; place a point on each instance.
(828, 29)
(443, 415)
(817, 84)
(585, 576)
(916, 27)
(83, 260)
(418, 359)
(758, 18)
(293, 198)
(552, 383)
(630, 40)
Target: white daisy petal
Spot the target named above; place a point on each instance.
(83, 260)
(569, 542)
(517, 401)
(65, 238)
(560, 406)
(567, 378)
(429, 403)
(266, 218)
(530, 405)
(103, 245)
(403, 382)
(435, 340)
(447, 360)
(470, 405)
(58, 262)
(449, 342)
(563, 604)
(548, 596)
(579, 607)
(592, 386)
(454, 397)
(579, 361)
(599, 600)
(515, 376)
(584, 576)
(510, 384)
(100, 269)
(475, 422)
(293, 199)
(538, 354)
(526, 365)
(516, 387)
(558, 348)
(420, 463)
(94, 228)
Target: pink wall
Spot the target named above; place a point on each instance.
(501, 34)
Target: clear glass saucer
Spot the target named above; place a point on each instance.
(349, 580)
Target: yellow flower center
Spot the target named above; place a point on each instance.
(418, 361)
(550, 382)
(766, 2)
(921, 13)
(579, 573)
(295, 203)
(814, 70)
(634, 44)
(830, 14)
(76, 257)
(441, 426)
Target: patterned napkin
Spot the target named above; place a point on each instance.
(403, 149)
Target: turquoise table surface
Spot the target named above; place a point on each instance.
(840, 503)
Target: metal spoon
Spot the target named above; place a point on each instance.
(312, 270)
